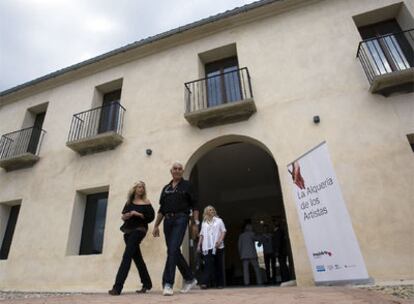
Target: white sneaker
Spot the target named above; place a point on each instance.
(188, 285)
(167, 291)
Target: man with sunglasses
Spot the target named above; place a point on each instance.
(178, 200)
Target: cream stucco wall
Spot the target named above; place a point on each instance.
(302, 63)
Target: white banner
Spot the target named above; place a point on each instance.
(332, 247)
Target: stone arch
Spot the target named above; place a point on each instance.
(219, 141)
(228, 189)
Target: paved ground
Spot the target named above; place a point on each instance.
(405, 291)
(268, 295)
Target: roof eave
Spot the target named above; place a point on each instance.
(118, 56)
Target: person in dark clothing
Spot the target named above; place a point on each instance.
(177, 200)
(280, 250)
(248, 254)
(137, 213)
(266, 240)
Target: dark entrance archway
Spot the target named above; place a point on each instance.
(239, 177)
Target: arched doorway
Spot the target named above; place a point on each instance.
(239, 177)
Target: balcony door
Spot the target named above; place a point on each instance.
(35, 133)
(109, 112)
(222, 82)
(390, 50)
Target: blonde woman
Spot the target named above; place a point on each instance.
(137, 213)
(211, 245)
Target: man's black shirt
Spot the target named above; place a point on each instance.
(180, 199)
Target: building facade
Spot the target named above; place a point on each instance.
(235, 97)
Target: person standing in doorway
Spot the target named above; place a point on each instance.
(248, 254)
(269, 255)
(137, 214)
(211, 244)
(178, 199)
(279, 246)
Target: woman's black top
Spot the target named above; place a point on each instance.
(135, 222)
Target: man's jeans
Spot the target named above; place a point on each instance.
(174, 231)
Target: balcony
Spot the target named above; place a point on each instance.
(219, 99)
(20, 149)
(388, 62)
(97, 130)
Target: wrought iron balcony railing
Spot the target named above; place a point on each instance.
(223, 88)
(387, 54)
(90, 123)
(20, 142)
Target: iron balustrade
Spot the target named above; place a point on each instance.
(386, 54)
(223, 88)
(90, 123)
(16, 143)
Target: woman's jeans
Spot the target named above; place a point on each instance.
(132, 252)
(174, 230)
(213, 268)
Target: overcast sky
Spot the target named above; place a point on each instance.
(38, 37)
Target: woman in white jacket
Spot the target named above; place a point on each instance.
(211, 245)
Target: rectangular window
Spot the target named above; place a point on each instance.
(110, 111)
(13, 213)
(223, 81)
(36, 132)
(28, 139)
(410, 138)
(93, 224)
(388, 46)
